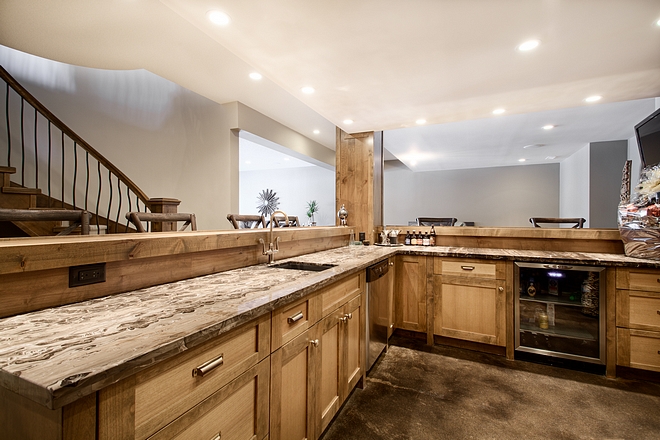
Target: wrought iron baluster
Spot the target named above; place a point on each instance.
(36, 152)
(119, 207)
(22, 144)
(8, 127)
(75, 171)
(98, 200)
(50, 148)
(130, 208)
(86, 178)
(109, 202)
(62, 169)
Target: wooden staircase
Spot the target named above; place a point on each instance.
(60, 171)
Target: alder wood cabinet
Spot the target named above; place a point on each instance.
(410, 293)
(638, 318)
(313, 374)
(179, 398)
(470, 300)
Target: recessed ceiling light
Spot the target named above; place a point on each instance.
(498, 111)
(348, 121)
(308, 90)
(218, 18)
(550, 157)
(316, 131)
(521, 160)
(420, 121)
(548, 127)
(529, 45)
(593, 98)
(256, 76)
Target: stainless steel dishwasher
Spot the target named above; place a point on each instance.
(378, 310)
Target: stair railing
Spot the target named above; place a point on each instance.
(103, 189)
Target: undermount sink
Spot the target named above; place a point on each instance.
(301, 265)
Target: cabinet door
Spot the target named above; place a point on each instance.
(328, 363)
(352, 349)
(471, 309)
(293, 378)
(410, 293)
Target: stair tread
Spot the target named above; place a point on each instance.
(20, 190)
(9, 170)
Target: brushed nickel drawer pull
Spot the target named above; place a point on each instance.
(314, 342)
(295, 318)
(349, 315)
(208, 366)
(218, 436)
(467, 267)
(658, 312)
(501, 289)
(343, 319)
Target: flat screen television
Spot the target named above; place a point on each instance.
(648, 139)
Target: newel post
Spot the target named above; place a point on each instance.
(164, 205)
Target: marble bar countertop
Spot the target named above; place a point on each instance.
(57, 355)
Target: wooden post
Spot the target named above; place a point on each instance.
(355, 180)
(164, 205)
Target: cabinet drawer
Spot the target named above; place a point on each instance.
(639, 310)
(340, 292)
(466, 268)
(645, 312)
(294, 319)
(169, 389)
(638, 349)
(638, 279)
(239, 410)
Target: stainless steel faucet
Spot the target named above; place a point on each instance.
(273, 247)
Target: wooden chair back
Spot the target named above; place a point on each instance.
(281, 223)
(138, 217)
(579, 222)
(435, 221)
(239, 221)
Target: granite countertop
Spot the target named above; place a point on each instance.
(57, 355)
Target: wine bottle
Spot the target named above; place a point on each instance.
(413, 239)
(407, 239)
(432, 236)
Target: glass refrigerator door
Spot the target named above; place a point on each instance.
(558, 311)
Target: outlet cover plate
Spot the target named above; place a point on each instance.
(86, 274)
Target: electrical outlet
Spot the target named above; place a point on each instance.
(87, 274)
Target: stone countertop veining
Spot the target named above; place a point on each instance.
(57, 355)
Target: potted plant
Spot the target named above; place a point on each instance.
(312, 208)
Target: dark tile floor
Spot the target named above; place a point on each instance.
(420, 392)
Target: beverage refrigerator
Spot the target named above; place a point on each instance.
(560, 313)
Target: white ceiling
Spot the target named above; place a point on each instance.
(382, 63)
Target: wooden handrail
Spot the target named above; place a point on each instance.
(71, 134)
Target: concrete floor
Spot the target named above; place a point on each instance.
(419, 392)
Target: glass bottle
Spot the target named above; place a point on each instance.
(413, 239)
(432, 236)
(407, 240)
(426, 240)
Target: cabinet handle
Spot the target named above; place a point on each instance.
(501, 289)
(218, 436)
(343, 319)
(349, 315)
(207, 367)
(467, 267)
(391, 263)
(658, 312)
(295, 318)
(314, 342)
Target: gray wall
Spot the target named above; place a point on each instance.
(294, 187)
(606, 162)
(502, 196)
(574, 186)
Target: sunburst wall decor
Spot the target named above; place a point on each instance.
(267, 202)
